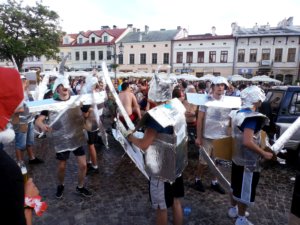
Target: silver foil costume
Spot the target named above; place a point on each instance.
(241, 155)
(166, 157)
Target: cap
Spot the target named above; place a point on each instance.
(160, 89)
(251, 95)
(220, 80)
(61, 80)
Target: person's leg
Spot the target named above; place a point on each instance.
(20, 145)
(161, 217)
(177, 212)
(61, 169)
(81, 170)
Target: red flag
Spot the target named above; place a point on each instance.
(11, 94)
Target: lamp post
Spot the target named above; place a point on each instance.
(113, 53)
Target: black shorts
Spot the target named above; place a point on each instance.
(162, 193)
(92, 137)
(243, 184)
(65, 155)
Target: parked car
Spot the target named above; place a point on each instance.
(284, 102)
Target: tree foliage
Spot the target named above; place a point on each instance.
(27, 31)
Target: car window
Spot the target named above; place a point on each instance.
(274, 98)
(294, 107)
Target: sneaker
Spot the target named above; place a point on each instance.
(83, 191)
(92, 170)
(60, 191)
(233, 212)
(242, 221)
(36, 160)
(217, 187)
(199, 186)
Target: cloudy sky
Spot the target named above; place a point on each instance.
(196, 16)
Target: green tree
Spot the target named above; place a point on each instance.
(27, 31)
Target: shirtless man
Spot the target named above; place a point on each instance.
(130, 103)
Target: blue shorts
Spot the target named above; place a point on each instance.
(25, 139)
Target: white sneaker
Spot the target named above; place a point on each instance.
(242, 221)
(233, 212)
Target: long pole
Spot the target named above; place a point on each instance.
(115, 63)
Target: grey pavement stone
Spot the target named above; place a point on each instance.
(120, 192)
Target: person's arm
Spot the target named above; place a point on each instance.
(249, 143)
(200, 121)
(136, 106)
(146, 141)
(40, 123)
(30, 191)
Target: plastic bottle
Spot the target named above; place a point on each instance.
(23, 168)
(187, 211)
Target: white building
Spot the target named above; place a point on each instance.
(204, 54)
(265, 50)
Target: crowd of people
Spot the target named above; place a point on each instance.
(138, 96)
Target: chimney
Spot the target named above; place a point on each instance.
(268, 26)
(138, 30)
(114, 27)
(129, 25)
(105, 27)
(213, 31)
(255, 28)
(146, 29)
(178, 27)
(134, 29)
(162, 29)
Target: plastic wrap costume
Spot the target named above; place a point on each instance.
(67, 132)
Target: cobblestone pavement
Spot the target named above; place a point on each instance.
(120, 193)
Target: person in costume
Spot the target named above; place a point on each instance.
(12, 189)
(163, 194)
(67, 136)
(246, 126)
(218, 87)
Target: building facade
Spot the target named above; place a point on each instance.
(203, 54)
(147, 50)
(265, 50)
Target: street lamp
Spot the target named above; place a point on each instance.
(112, 48)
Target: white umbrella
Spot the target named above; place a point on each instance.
(237, 77)
(264, 78)
(207, 77)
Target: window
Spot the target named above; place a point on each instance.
(241, 55)
(131, 59)
(93, 40)
(154, 58)
(80, 41)
(166, 45)
(77, 56)
(189, 57)
(143, 58)
(166, 58)
(291, 55)
(84, 55)
(265, 54)
(294, 107)
(92, 55)
(253, 55)
(200, 58)
(278, 55)
(100, 55)
(108, 55)
(105, 38)
(179, 57)
(224, 56)
(121, 59)
(212, 56)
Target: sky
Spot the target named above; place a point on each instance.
(197, 16)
